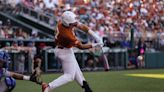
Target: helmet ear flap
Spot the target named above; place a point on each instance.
(65, 24)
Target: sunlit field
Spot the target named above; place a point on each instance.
(113, 81)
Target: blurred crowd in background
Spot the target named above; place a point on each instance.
(107, 17)
(9, 31)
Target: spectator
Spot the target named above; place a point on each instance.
(133, 62)
(50, 5)
(38, 6)
(162, 38)
(21, 58)
(27, 3)
(34, 35)
(32, 53)
(19, 34)
(141, 51)
(94, 58)
(15, 44)
(7, 44)
(2, 33)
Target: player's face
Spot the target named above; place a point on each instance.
(73, 24)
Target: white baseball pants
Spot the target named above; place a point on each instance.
(70, 67)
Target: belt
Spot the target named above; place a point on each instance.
(60, 47)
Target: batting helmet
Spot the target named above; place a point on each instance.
(68, 17)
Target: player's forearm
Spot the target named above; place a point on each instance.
(19, 76)
(84, 46)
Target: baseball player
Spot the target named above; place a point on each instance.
(65, 40)
(7, 78)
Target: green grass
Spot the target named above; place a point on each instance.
(112, 81)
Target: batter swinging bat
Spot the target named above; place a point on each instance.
(106, 64)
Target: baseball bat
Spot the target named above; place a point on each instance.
(106, 64)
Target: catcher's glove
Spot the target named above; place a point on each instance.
(36, 76)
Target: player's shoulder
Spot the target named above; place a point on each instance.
(83, 27)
